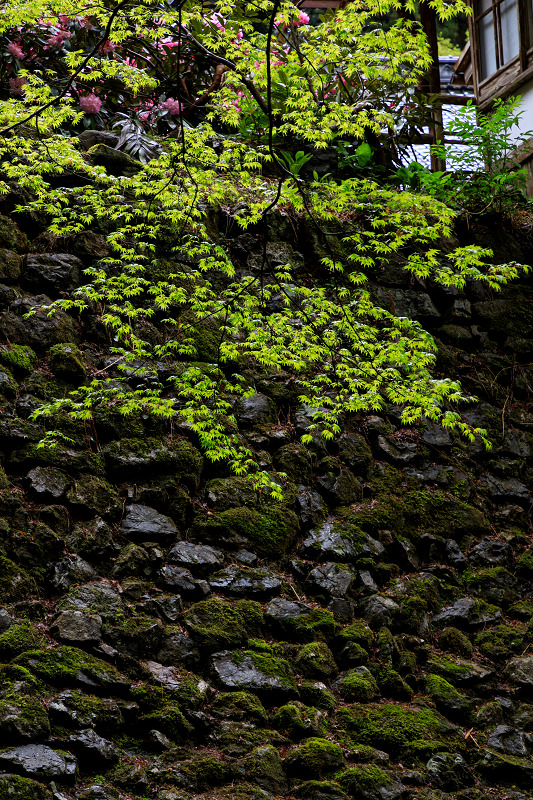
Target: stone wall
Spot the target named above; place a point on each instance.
(166, 632)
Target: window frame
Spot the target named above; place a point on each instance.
(519, 69)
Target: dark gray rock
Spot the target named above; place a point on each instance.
(380, 611)
(331, 542)
(449, 772)
(511, 741)
(520, 671)
(10, 265)
(310, 507)
(100, 598)
(6, 620)
(77, 626)
(89, 138)
(242, 582)
(40, 762)
(408, 303)
(92, 750)
(401, 451)
(52, 272)
(491, 553)
(180, 580)
(282, 614)
(340, 487)
(247, 676)
(200, 559)
(330, 579)
(71, 569)
(39, 331)
(7, 295)
(177, 648)
(436, 436)
(97, 791)
(465, 614)
(506, 488)
(47, 483)
(499, 767)
(454, 555)
(142, 523)
(255, 410)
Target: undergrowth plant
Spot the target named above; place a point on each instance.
(272, 90)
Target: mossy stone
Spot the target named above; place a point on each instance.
(18, 358)
(502, 641)
(204, 772)
(357, 631)
(66, 666)
(18, 638)
(167, 718)
(90, 711)
(524, 565)
(215, 625)
(365, 782)
(10, 265)
(263, 766)
(315, 758)
(316, 694)
(455, 641)
(319, 790)
(494, 585)
(23, 718)
(317, 625)
(298, 721)
(393, 728)
(447, 699)
(357, 685)
(240, 706)
(66, 361)
(15, 583)
(315, 660)
(91, 495)
(390, 682)
(252, 616)
(11, 238)
(296, 462)
(271, 532)
(15, 787)
(115, 162)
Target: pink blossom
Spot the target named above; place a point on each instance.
(303, 19)
(16, 50)
(58, 39)
(174, 106)
(239, 34)
(16, 85)
(91, 104)
(217, 20)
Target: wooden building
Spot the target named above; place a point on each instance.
(500, 53)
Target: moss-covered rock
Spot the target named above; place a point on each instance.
(15, 582)
(315, 660)
(270, 532)
(494, 585)
(23, 718)
(68, 666)
(215, 625)
(502, 641)
(296, 462)
(135, 457)
(240, 706)
(357, 685)
(11, 238)
(66, 361)
(81, 709)
(18, 638)
(263, 766)
(316, 693)
(316, 758)
(16, 787)
(390, 683)
(204, 772)
(396, 729)
(366, 783)
(319, 790)
(90, 495)
(447, 699)
(18, 358)
(167, 718)
(455, 641)
(298, 721)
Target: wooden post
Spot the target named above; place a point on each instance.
(428, 20)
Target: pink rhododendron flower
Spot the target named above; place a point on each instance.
(16, 85)
(91, 104)
(303, 19)
(174, 106)
(58, 39)
(16, 50)
(217, 20)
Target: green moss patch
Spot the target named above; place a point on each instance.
(215, 625)
(393, 728)
(68, 666)
(315, 758)
(271, 532)
(18, 638)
